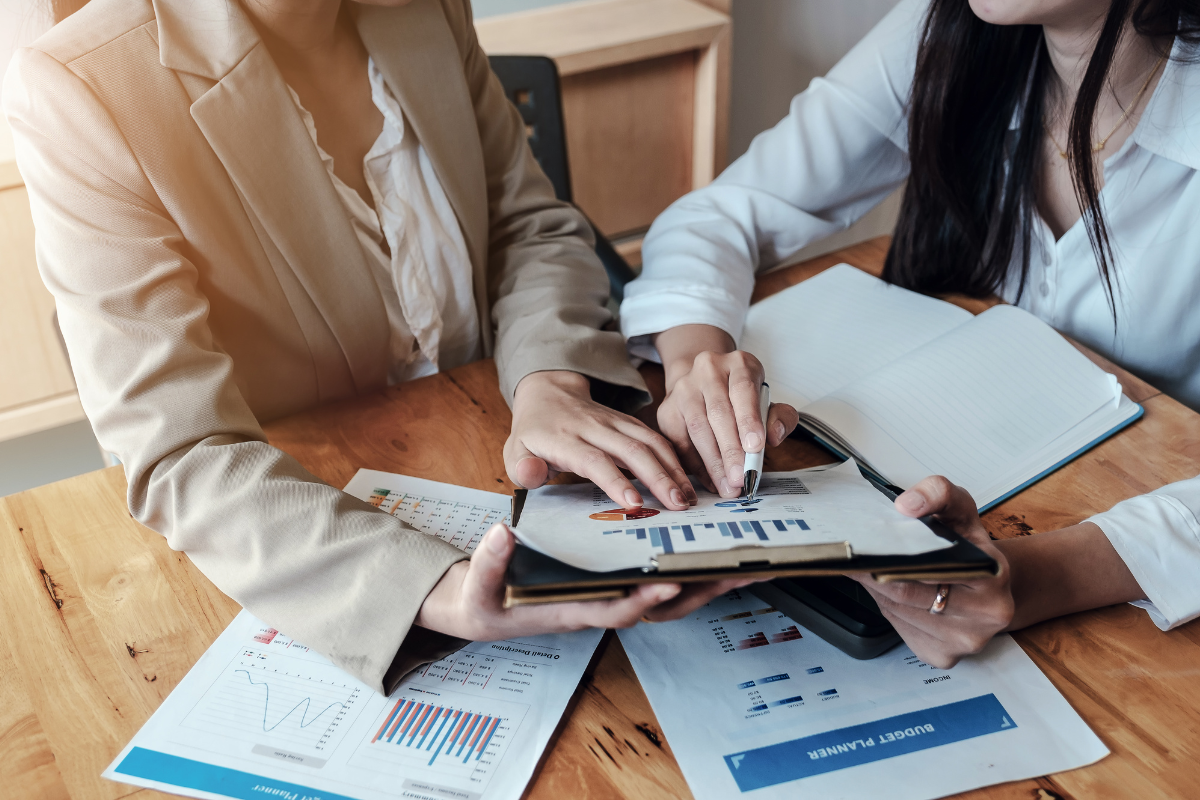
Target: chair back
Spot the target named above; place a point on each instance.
(531, 83)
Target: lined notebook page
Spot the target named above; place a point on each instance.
(971, 405)
(839, 326)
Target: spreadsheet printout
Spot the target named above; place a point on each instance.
(262, 715)
(785, 714)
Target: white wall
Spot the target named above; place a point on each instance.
(779, 46)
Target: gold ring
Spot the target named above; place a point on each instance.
(940, 599)
(647, 619)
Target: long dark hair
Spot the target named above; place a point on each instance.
(972, 191)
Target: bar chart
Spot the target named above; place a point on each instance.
(760, 639)
(666, 536)
(750, 629)
(454, 737)
(411, 723)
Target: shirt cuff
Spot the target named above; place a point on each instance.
(655, 311)
(1158, 538)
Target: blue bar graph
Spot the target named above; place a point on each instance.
(660, 537)
(665, 536)
(438, 730)
(688, 536)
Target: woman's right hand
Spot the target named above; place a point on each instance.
(468, 602)
(711, 411)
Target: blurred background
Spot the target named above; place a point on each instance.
(658, 96)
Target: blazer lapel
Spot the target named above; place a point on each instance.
(416, 52)
(252, 125)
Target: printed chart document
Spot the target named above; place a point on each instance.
(755, 705)
(261, 715)
(578, 525)
(913, 386)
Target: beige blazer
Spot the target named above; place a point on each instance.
(207, 278)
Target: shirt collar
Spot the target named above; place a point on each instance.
(1170, 125)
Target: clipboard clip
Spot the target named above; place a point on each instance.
(751, 557)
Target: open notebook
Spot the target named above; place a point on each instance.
(914, 386)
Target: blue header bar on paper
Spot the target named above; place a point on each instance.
(188, 774)
(872, 741)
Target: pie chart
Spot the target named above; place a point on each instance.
(623, 514)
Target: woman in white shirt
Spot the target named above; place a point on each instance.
(1051, 158)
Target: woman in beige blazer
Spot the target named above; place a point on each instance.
(208, 277)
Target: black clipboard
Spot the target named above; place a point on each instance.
(534, 578)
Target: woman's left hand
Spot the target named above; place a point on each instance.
(557, 427)
(975, 610)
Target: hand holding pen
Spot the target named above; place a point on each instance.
(712, 413)
(753, 467)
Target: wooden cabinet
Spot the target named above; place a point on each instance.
(645, 95)
(37, 391)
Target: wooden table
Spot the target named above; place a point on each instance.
(100, 619)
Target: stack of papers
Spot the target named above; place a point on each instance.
(749, 700)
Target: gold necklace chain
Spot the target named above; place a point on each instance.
(1100, 145)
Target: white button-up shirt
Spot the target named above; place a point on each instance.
(843, 147)
(424, 275)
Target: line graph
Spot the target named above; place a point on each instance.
(274, 698)
(306, 702)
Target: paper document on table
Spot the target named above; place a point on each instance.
(260, 715)
(578, 525)
(925, 414)
(836, 327)
(784, 714)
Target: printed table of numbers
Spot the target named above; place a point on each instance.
(460, 520)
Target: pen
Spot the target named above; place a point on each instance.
(754, 461)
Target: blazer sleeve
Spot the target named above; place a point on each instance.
(335, 573)
(839, 152)
(547, 287)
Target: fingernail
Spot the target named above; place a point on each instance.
(632, 499)
(677, 498)
(517, 469)
(753, 443)
(726, 489)
(911, 502)
(779, 429)
(496, 540)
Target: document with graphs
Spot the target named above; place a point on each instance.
(754, 705)
(262, 716)
(578, 525)
(913, 386)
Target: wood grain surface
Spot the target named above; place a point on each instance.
(101, 620)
